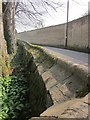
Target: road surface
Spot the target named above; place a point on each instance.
(73, 56)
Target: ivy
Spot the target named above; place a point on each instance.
(14, 103)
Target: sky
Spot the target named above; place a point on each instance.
(76, 9)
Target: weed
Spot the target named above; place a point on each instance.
(14, 102)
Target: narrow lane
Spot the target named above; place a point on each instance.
(75, 57)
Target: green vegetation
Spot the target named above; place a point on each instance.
(15, 105)
(23, 93)
(14, 89)
(42, 55)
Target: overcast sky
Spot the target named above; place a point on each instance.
(76, 10)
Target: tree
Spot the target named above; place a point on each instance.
(85, 14)
(33, 10)
(3, 48)
(1, 37)
(9, 25)
(27, 13)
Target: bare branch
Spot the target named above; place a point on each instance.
(33, 10)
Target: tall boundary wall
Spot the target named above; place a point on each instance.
(55, 35)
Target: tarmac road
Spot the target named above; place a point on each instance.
(76, 57)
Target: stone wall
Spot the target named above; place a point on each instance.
(55, 35)
(37, 94)
(78, 32)
(66, 84)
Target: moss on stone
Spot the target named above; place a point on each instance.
(5, 69)
(23, 63)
